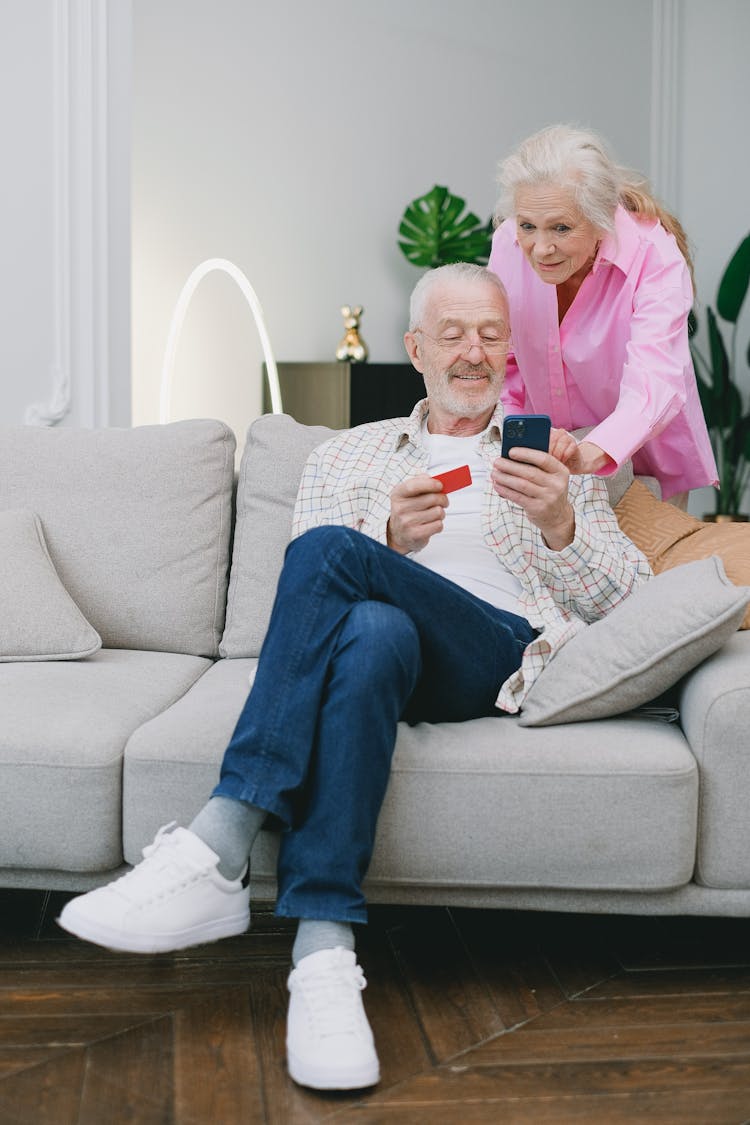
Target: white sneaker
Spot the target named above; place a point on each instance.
(174, 898)
(328, 1039)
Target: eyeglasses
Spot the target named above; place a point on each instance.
(460, 343)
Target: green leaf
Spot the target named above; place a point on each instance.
(734, 284)
(719, 357)
(434, 232)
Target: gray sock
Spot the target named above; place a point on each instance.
(229, 828)
(314, 935)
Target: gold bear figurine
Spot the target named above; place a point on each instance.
(352, 346)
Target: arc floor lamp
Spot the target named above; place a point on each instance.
(178, 317)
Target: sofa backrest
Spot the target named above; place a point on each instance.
(137, 523)
(275, 453)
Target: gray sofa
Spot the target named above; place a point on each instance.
(125, 660)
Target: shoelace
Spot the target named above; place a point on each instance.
(159, 857)
(331, 997)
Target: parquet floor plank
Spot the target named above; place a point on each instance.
(128, 1077)
(732, 981)
(586, 1044)
(648, 1011)
(45, 1094)
(518, 976)
(402, 1046)
(452, 1002)
(720, 1107)
(216, 1066)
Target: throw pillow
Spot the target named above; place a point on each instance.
(669, 537)
(38, 618)
(644, 646)
(272, 463)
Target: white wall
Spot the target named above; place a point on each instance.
(713, 156)
(289, 136)
(65, 211)
(26, 81)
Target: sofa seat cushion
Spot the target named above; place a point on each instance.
(63, 732)
(172, 763)
(488, 803)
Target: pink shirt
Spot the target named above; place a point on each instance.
(620, 360)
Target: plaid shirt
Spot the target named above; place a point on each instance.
(348, 480)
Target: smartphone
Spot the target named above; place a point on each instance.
(528, 430)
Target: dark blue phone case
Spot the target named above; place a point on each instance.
(528, 430)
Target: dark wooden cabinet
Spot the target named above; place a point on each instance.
(344, 394)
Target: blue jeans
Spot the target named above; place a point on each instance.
(359, 638)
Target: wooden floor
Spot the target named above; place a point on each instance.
(479, 1016)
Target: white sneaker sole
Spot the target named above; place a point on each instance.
(85, 928)
(332, 1078)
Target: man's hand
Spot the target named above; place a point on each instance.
(538, 482)
(417, 513)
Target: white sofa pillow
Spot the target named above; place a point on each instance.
(644, 646)
(272, 462)
(38, 618)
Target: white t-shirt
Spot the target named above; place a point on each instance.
(458, 551)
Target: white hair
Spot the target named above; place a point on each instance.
(455, 271)
(572, 158)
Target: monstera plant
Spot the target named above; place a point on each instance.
(435, 230)
(724, 405)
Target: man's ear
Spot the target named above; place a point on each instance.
(413, 350)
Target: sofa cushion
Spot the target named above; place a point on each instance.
(272, 463)
(63, 732)
(137, 522)
(172, 762)
(669, 537)
(644, 646)
(38, 618)
(480, 805)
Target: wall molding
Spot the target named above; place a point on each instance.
(79, 369)
(665, 101)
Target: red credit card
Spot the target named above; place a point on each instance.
(454, 478)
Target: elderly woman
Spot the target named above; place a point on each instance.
(600, 287)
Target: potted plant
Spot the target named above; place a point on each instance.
(728, 420)
(434, 231)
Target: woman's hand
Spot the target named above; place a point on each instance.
(562, 445)
(579, 458)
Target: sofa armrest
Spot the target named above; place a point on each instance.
(715, 715)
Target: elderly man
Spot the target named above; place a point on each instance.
(397, 601)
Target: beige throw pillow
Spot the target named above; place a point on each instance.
(670, 537)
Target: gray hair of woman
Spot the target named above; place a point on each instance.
(454, 271)
(578, 160)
